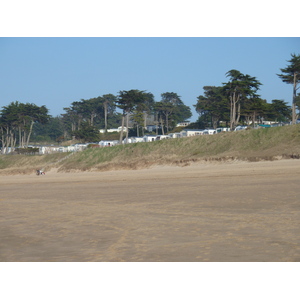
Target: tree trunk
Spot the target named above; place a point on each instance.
(92, 119)
(122, 129)
(127, 122)
(167, 122)
(238, 114)
(232, 112)
(105, 115)
(235, 110)
(214, 122)
(294, 114)
(20, 136)
(162, 125)
(145, 119)
(254, 117)
(29, 134)
(157, 124)
(4, 140)
(145, 123)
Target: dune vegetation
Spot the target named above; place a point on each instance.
(247, 145)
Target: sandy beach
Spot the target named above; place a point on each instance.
(205, 212)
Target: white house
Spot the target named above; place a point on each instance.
(161, 137)
(108, 143)
(133, 139)
(191, 132)
(137, 139)
(174, 135)
(149, 138)
(223, 129)
(209, 131)
(71, 148)
(114, 129)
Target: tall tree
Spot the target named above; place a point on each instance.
(52, 131)
(87, 133)
(109, 105)
(147, 108)
(173, 109)
(292, 76)
(279, 111)
(75, 114)
(253, 109)
(138, 118)
(215, 103)
(35, 114)
(92, 108)
(128, 101)
(164, 111)
(239, 88)
(95, 111)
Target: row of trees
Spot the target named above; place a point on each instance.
(84, 118)
(236, 101)
(135, 106)
(138, 104)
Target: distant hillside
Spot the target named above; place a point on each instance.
(249, 145)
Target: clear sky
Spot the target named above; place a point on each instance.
(55, 71)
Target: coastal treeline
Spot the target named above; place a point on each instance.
(236, 101)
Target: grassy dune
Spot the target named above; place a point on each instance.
(248, 145)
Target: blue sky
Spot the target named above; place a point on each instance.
(57, 71)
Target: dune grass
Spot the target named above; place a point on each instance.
(248, 145)
(25, 164)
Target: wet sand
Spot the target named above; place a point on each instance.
(231, 212)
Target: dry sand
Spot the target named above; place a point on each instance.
(234, 211)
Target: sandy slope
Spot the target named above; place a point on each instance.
(234, 211)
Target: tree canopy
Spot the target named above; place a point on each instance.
(128, 101)
(291, 75)
(17, 120)
(240, 88)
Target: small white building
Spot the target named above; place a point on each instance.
(240, 128)
(174, 135)
(49, 149)
(209, 131)
(133, 139)
(223, 129)
(108, 143)
(71, 148)
(80, 147)
(119, 129)
(149, 138)
(130, 140)
(191, 132)
(137, 139)
(161, 137)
